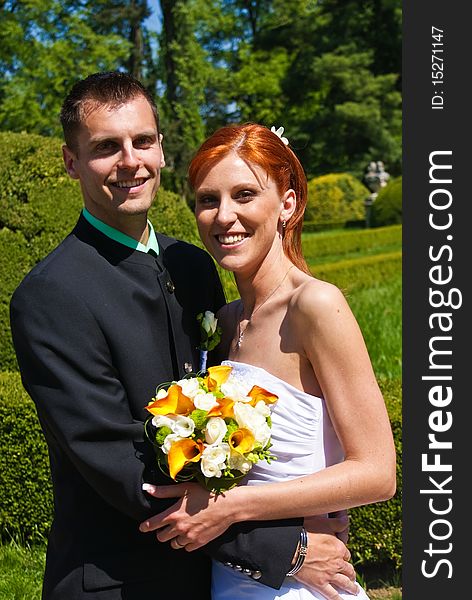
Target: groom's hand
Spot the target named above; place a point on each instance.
(327, 567)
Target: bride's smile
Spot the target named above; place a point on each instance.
(238, 210)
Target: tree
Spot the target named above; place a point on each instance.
(49, 45)
(184, 73)
(126, 19)
(328, 71)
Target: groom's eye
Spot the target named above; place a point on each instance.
(106, 146)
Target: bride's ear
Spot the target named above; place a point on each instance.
(288, 205)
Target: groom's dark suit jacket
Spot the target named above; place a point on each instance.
(96, 326)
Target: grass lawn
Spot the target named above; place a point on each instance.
(378, 311)
(21, 571)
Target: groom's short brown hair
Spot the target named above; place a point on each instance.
(109, 88)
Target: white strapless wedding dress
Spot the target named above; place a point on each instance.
(304, 441)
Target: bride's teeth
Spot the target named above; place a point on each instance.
(230, 239)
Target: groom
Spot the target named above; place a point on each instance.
(107, 316)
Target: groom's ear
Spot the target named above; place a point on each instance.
(288, 205)
(163, 158)
(70, 160)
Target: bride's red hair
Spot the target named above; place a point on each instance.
(260, 146)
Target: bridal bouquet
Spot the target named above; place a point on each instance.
(210, 428)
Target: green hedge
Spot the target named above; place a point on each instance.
(387, 208)
(26, 508)
(39, 205)
(360, 273)
(320, 246)
(336, 198)
(376, 529)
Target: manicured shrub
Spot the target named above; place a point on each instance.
(387, 208)
(376, 529)
(26, 505)
(334, 200)
(15, 262)
(171, 215)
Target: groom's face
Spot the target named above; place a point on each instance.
(117, 160)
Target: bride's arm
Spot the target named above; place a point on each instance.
(337, 352)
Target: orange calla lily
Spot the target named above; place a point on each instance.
(257, 393)
(217, 376)
(182, 453)
(241, 440)
(175, 403)
(224, 408)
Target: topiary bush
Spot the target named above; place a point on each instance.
(26, 490)
(334, 200)
(15, 262)
(40, 204)
(171, 215)
(387, 208)
(376, 529)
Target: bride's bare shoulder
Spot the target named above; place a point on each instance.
(315, 297)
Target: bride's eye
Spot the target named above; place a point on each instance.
(245, 195)
(207, 200)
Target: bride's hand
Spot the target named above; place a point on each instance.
(194, 520)
(327, 568)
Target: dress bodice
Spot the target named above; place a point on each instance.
(303, 437)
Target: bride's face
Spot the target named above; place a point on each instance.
(239, 212)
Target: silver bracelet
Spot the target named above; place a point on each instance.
(302, 550)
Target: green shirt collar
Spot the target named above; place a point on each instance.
(122, 238)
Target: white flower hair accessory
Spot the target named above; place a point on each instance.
(279, 133)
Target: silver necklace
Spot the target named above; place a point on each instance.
(241, 332)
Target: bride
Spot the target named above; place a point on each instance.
(296, 336)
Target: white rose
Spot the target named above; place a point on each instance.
(170, 439)
(215, 430)
(162, 421)
(246, 416)
(235, 390)
(190, 387)
(213, 461)
(262, 434)
(183, 426)
(205, 401)
(210, 469)
(217, 454)
(209, 322)
(262, 408)
(239, 463)
(250, 418)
